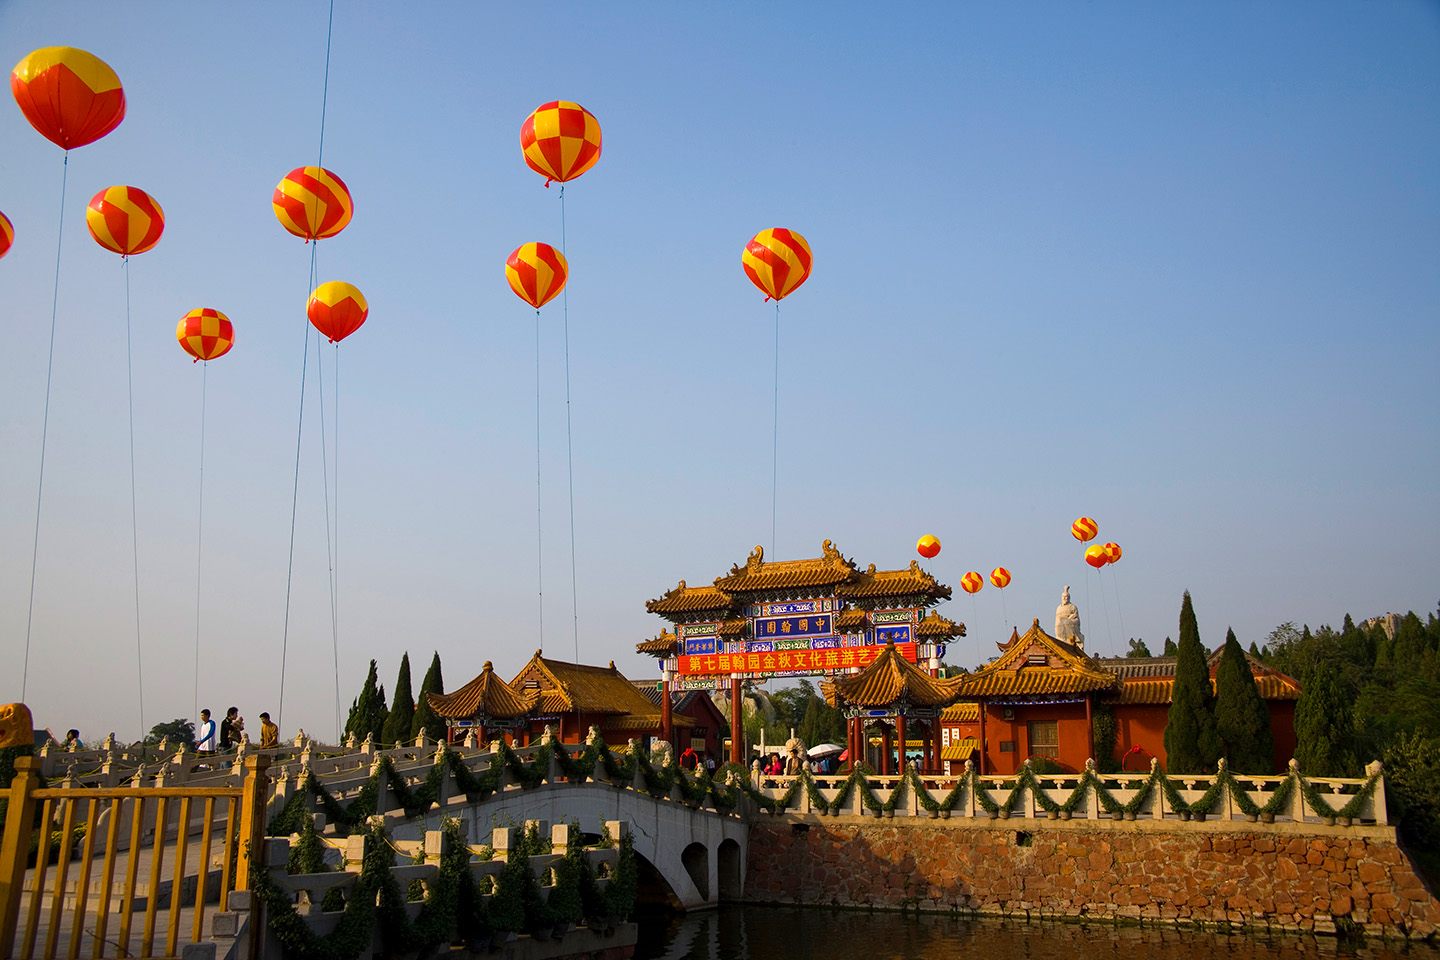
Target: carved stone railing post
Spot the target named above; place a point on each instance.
(1297, 796)
(367, 749)
(562, 835)
(422, 742)
(502, 841)
(1377, 799)
(637, 782)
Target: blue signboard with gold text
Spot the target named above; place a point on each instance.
(774, 628)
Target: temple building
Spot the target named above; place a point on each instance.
(568, 697)
(1039, 697)
(795, 618)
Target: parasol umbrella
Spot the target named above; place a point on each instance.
(825, 749)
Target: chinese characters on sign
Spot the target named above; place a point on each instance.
(775, 628)
(790, 661)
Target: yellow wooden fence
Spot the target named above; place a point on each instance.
(150, 814)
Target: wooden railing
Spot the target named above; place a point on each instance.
(113, 826)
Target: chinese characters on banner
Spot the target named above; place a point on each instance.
(790, 661)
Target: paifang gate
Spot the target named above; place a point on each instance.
(791, 618)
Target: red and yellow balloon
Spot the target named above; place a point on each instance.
(1000, 577)
(777, 261)
(1084, 529)
(7, 234)
(537, 272)
(313, 203)
(125, 220)
(928, 546)
(561, 140)
(70, 96)
(1095, 556)
(205, 334)
(1112, 552)
(972, 582)
(337, 309)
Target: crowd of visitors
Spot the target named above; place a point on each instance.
(212, 738)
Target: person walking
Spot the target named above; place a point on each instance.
(205, 737)
(230, 729)
(269, 733)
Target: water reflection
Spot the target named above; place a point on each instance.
(741, 933)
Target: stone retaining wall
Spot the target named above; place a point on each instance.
(1290, 879)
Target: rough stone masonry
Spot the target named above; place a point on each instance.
(1148, 872)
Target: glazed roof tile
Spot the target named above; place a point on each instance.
(890, 678)
(851, 621)
(575, 686)
(963, 712)
(1010, 674)
(911, 581)
(686, 599)
(486, 695)
(1152, 679)
(828, 570)
(734, 628)
(665, 645)
(935, 625)
(959, 749)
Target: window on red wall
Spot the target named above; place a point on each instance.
(1044, 738)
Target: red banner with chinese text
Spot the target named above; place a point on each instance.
(790, 661)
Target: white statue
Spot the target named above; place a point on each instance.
(1067, 621)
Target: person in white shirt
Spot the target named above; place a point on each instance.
(205, 739)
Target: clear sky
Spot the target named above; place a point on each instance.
(1173, 267)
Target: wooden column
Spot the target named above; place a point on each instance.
(982, 736)
(900, 748)
(925, 748)
(852, 727)
(937, 747)
(1090, 730)
(667, 721)
(737, 720)
(16, 848)
(885, 744)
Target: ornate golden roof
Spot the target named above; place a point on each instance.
(563, 687)
(890, 678)
(734, 629)
(1037, 664)
(1151, 680)
(665, 645)
(830, 569)
(851, 621)
(935, 626)
(485, 696)
(959, 750)
(893, 583)
(963, 712)
(684, 599)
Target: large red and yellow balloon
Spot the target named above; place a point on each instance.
(125, 220)
(337, 309)
(1084, 529)
(777, 261)
(928, 546)
(1095, 556)
(1000, 577)
(205, 334)
(7, 234)
(561, 140)
(972, 582)
(313, 203)
(70, 96)
(1112, 552)
(537, 272)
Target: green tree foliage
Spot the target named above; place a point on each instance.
(176, 731)
(1105, 732)
(402, 707)
(1412, 785)
(1241, 715)
(1170, 648)
(1138, 649)
(1325, 725)
(1192, 744)
(368, 712)
(426, 718)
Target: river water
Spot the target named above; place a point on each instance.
(784, 933)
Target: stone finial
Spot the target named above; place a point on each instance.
(422, 741)
(660, 753)
(164, 747)
(755, 766)
(300, 738)
(593, 737)
(179, 756)
(1373, 768)
(441, 751)
(1294, 765)
(1220, 766)
(1154, 764)
(376, 821)
(1090, 765)
(497, 745)
(350, 742)
(370, 740)
(548, 734)
(471, 740)
(375, 766)
(969, 766)
(1027, 763)
(109, 743)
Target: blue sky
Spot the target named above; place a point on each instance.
(1169, 267)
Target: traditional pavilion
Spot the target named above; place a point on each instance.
(568, 697)
(708, 733)
(1039, 697)
(886, 694)
(794, 618)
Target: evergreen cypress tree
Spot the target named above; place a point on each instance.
(402, 707)
(1170, 648)
(362, 708)
(379, 713)
(425, 717)
(1325, 725)
(1241, 715)
(1191, 743)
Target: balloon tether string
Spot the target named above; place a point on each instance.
(569, 442)
(539, 527)
(134, 522)
(325, 483)
(200, 529)
(45, 427)
(775, 434)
